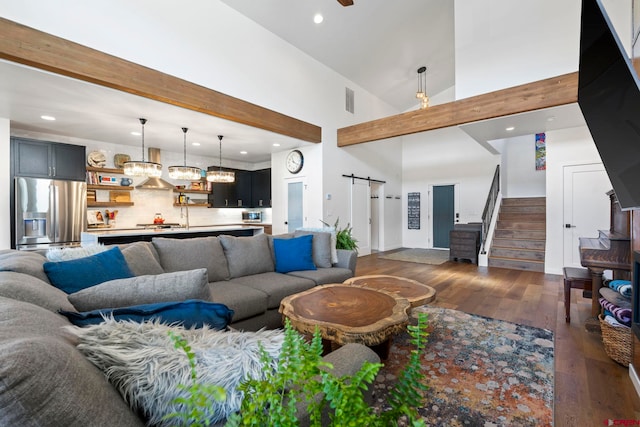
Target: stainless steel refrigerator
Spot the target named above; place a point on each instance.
(49, 212)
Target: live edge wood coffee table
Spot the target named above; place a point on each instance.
(348, 314)
(417, 293)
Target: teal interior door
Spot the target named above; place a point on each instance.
(443, 214)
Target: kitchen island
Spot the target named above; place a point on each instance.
(108, 236)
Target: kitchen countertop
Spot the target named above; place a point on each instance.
(192, 229)
(120, 236)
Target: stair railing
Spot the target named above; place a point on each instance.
(489, 207)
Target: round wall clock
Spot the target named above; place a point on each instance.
(295, 161)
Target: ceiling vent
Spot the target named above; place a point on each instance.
(349, 100)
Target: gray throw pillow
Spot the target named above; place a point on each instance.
(190, 254)
(30, 289)
(46, 381)
(320, 247)
(247, 255)
(142, 258)
(166, 287)
(26, 262)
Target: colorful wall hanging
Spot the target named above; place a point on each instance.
(541, 152)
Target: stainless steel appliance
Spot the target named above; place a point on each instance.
(49, 212)
(251, 216)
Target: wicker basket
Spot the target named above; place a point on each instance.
(617, 342)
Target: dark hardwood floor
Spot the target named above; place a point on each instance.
(590, 388)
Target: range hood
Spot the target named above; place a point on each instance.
(155, 183)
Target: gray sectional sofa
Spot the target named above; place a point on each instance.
(46, 381)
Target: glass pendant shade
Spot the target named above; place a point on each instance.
(142, 168)
(187, 173)
(150, 169)
(421, 93)
(221, 176)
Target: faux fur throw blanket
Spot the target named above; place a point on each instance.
(141, 361)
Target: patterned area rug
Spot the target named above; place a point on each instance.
(480, 371)
(422, 256)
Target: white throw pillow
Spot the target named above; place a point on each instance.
(68, 254)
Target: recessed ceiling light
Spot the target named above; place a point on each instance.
(243, 152)
(135, 133)
(318, 18)
(276, 145)
(510, 128)
(195, 144)
(50, 118)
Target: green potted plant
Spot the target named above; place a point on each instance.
(302, 376)
(344, 238)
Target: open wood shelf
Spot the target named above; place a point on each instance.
(107, 204)
(193, 205)
(108, 187)
(106, 170)
(175, 190)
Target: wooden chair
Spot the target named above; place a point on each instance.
(578, 278)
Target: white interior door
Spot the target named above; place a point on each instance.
(296, 208)
(586, 207)
(361, 215)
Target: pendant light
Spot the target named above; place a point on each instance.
(188, 173)
(219, 175)
(143, 168)
(421, 94)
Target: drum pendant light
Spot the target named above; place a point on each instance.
(220, 176)
(188, 173)
(143, 168)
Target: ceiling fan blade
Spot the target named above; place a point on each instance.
(346, 2)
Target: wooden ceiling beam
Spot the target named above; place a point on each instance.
(346, 2)
(552, 92)
(28, 46)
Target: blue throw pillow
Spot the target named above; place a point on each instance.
(75, 275)
(294, 254)
(190, 314)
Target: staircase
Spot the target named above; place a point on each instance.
(520, 235)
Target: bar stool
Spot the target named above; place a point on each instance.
(577, 278)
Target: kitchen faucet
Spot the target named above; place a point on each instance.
(184, 205)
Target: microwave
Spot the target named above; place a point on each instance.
(251, 216)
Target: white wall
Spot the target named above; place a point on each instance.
(519, 177)
(504, 43)
(566, 147)
(212, 45)
(5, 184)
(444, 157)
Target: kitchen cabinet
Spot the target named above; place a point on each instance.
(261, 188)
(43, 159)
(251, 189)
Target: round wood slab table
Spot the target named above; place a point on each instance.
(348, 314)
(416, 292)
